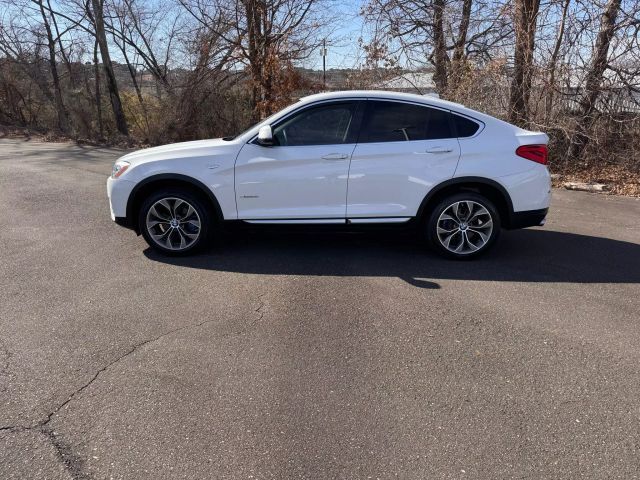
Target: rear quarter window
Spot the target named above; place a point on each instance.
(464, 126)
(389, 121)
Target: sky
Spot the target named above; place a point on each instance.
(342, 35)
(343, 49)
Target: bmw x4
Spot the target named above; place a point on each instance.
(343, 158)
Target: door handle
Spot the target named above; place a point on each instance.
(335, 156)
(439, 150)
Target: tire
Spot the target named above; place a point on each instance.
(175, 222)
(453, 231)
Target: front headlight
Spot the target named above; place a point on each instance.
(119, 168)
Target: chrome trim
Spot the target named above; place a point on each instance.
(298, 221)
(379, 220)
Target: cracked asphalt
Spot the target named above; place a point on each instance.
(318, 356)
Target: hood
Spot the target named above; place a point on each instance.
(173, 151)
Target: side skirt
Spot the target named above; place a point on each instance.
(336, 225)
(327, 221)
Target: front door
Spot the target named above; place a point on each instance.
(304, 174)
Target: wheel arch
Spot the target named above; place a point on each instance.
(483, 186)
(169, 180)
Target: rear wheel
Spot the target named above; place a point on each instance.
(174, 222)
(463, 226)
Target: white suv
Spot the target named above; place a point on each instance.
(343, 158)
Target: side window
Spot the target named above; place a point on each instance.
(438, 125)
(322, 125)
(397, 122)
(464, 126)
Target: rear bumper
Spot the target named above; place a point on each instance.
(527, 218)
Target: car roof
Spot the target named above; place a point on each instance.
(384, 94)
(412, 97)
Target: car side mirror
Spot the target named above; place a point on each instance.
(265, 136)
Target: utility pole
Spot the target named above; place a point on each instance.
(324, 64)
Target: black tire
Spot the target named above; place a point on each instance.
(479, 233)
(186, 224)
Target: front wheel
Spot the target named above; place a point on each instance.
(174, 222)
(463, 226)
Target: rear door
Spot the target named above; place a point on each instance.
(404, 149)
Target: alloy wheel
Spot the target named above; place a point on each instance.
(464, 227)
(173, 223)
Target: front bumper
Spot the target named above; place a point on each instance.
(118, 192)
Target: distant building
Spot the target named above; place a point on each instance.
(410, 82)
(615, 96)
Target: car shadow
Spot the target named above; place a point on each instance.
(532, 255)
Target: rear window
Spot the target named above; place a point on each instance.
(465, 127)
(397, 122)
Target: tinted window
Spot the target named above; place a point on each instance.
(396, 122)
(464, 126)
(323, 125)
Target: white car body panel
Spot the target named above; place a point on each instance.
(118, 191)
(376, 182)
(491, 154)
(292, 182)
(211, 162)
(390, 179)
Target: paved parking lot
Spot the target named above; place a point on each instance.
(309, 356)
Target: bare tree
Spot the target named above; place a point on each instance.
(440, 57)
(592, 89)
(63, 116)
(135, 26)
(526, 14)
(459, 46)
(97, 15)
(267, 37)
(98, 103)
(20, 43)
(274, 34)
(553, 62)
(442, 33)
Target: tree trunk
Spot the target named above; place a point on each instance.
(132, 73)
(526, 15)
(112, 84)
(136, 86)
(96, 72)
(593, 81)
(457, 63)
(553, 63)
(63, 116)
(65, 58)
(256, 54)
(441, 60)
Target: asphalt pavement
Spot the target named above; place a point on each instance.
(315, 356)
